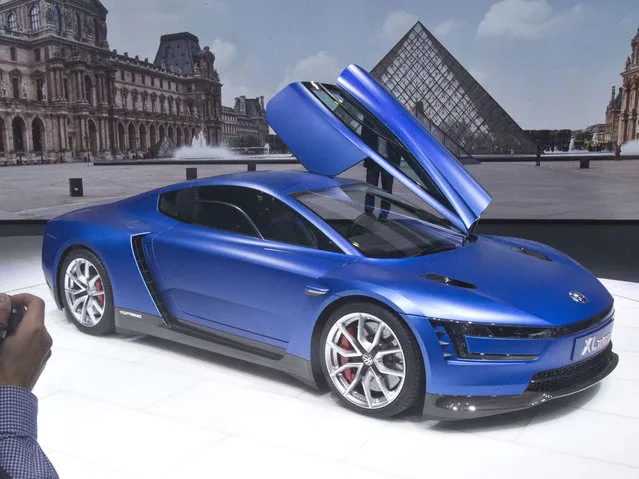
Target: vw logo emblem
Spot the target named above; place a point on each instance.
(578, 297)
(366, 358)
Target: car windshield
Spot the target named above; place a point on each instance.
(379, 224)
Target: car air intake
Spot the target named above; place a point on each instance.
(573, 374)
(450, 281)
(529, 252)
(137, 243)
(444, 341)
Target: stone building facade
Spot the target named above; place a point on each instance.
(622, 112)
(229, 125)
(613, 113)
(246, 120)
(628, 123)
(65, 94)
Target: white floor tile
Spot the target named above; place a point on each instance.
(587, 434)
(629, 291)
(418, 453)
(116, 437)
(43, 389)
(228, 459)
(625, 338)
(505, 428)
(18, 276)
(69, 467)
(117, 382)
(626, 313)
(615, 396)
(202, 364)
(123, 348)
(628, 367)
(307, 426)
(612, 284)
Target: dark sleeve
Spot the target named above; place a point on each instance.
(20, 453)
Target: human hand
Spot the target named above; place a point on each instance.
(24, 354)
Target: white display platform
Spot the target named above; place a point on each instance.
(128, 407)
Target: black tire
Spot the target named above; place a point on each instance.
(106, 324)
(414, 376)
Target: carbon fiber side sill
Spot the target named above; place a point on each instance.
(133, 322)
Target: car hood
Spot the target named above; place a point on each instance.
(506, 285)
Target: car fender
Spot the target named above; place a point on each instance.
(301, 341)
(75, 243)
(114, 250)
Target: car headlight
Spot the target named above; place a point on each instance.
(471, 340)
(454, 338)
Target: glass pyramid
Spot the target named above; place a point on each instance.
(449, 102)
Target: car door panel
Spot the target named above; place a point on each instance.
(252, 286)
(326, 132)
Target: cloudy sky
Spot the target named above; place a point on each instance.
(550, 63)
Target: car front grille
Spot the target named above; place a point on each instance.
(568, 376)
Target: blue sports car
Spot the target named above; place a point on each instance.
(390, 300)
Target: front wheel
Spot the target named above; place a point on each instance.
(86, 293)
(371, 360)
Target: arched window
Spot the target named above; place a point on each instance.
(34, 15)
(76, 25)
(57, 19)
(12, 22)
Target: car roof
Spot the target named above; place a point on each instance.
(282, 182)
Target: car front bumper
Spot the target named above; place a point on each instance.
(543, 387)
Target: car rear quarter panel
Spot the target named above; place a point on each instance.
(107, 232)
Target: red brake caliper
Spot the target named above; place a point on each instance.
(349, 374)
(100, 288)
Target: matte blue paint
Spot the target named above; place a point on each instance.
(247, 284)
(321, 142)
(326, 146)
(466, 195)
(256, 289)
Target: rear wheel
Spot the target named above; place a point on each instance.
(87, 294)
(371, 360)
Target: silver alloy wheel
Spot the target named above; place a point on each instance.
(365, 360)
(84, 292)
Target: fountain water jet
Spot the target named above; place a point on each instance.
(199, 149)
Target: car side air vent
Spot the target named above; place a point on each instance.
(444, 341)
(534, 254)
(450, 281)
(137, 243)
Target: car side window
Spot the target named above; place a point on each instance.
(201, 207)
(167, 204)
(275, 220)
(222, 216)
(280, 223)
(244, 211)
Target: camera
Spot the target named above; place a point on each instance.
(17, 313)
